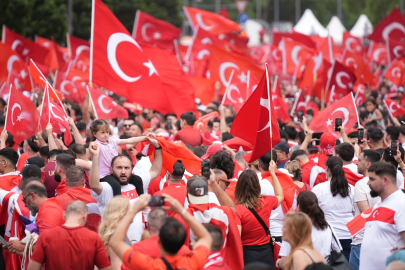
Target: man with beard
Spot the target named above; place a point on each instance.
(385, 227)
(62, 164)
(121, 169)
(362, 200)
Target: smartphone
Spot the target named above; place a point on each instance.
(338, 123)
(394, 146)
(360, 135)
(300, 114)
(205, 169)
(3, 241)
(157, 201)
(317, 136)
(169, 124)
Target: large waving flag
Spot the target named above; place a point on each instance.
(392, 27)
(105, 107)
(394, 108)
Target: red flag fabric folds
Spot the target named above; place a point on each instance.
(105, 107)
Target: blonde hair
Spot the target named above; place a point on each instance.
(294, 168)
(113, 213)
(300, 229)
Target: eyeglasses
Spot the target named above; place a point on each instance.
(227, 183)
(127, 125)
(24, 198)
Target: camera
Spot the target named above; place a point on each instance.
(156, 201)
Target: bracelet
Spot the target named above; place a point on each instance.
(158, 148)
(183, 212)
(400, 161)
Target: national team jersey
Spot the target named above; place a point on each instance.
(313, 174)
(382, 231)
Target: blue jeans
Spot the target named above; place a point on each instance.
(355, 257)
(346, 245)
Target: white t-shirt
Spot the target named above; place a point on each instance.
(362, 193)
(400, 179)
(142, 169)
(322, 240)
(382, 231)
(338, 211)
(277, 215)
(136, 228)
(213, 198)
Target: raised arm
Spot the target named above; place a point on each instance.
(222, 123)
(134, 140)
(156, 168)
(51, 140)
(223, 198)
(3, 139)
(307, 140)
(94, 170)
(86, 109)
(278, 190)
(76, 134)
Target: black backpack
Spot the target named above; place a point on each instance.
(318, 266)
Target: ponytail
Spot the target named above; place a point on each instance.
(308, 203)
(338, 183)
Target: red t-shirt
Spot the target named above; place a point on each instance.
(50, 215)
(177, 191)
(190, 136)
(151, 247)
(319, 159)
(313, 174)
(21, 161)
(70, 248)
(252, 232)
(230, 190)
(62, 188)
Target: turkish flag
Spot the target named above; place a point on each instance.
(328, 49)
(394, 108)
(209, 21)
(24, 47)
(72, 87)
(152, 31)
(202, 123)
(204, 89)
(237, 144)
(304, 39)
(79, 53)
(364, 75)
(259, 53)
(54, 114)
(281, 108)
(222, 63)
(341, 81)
(344, 108)
(11, 62)
(253, 82)
(235, 93)
(294, 55)
(300, 104)
(351, 60)
(253, 123)
(351, 43)
(396, 49)
(105, 107)
(237, 42)
(360, 98)
(392, 27)
(357, 224)
(395, 72)
(377, 53)
(22, 116)
(57, 58)
(44, 42)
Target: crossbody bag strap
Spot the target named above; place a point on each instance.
(334, 237)
(168, 266)
(266, 229)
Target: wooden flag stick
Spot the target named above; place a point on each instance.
(92, 102)
(227, 87)
(269, 98)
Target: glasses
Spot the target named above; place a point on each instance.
(24, 198)
(127, 125)
(227, 183)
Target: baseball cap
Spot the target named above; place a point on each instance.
(212, 149)
(40, 162)
(283, 146)
(198, 191)
(328, 143)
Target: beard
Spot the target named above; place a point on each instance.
(120, 180)
(57, 177)
(33, 209)
(374, 193)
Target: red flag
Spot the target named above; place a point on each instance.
(351, 60)
(237, 144)
(202, 123)
(238, 42)
(395, 72)
(235, 93)
(44, 42)
(394, 108)
(295, 55)
(304, 39)
(79, 53)
(11, 62)
(357, 224)
(344, 108)
(253, 123)
(22, 116)
(360, 98)
(72, 87)
(105, 107)
(150, 30)
(57, 58)
(351, 43)
(328, 49)
(24, 47)
(222, 63)
(395, 49)
(211, 22)
(281, 108)
(341, 79)
(204, 89)
(300, 104)
(392, 26)
(377, 53)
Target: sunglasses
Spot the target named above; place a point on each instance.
(127, 125)
(227, 183)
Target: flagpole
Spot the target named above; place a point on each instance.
(92, 43)
(275, 84)
(9, 96)
(269, 97)
(227, 87)
(92, 102)
(354, 102)
(187, 57)
(294, 107)
(135, 24)
(49, 105)
(247, 84)
(176, 49)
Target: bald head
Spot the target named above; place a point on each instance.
(396, 265)
(36, 187)
(156, 219)
(76, 208)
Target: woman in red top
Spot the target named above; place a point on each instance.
(255, 238)
(294, 168)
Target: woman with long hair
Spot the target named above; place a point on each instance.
(294, 168)
(297, 232)
(256, 239)
(322, 239)
(114, 211)
(336, 199)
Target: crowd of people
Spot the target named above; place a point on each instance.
(109, 199)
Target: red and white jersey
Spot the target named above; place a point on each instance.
(312, 174)
(13, 202)
(10, 181)
(382, 231)
(216, 262)
(351, 173)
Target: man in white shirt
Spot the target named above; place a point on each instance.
(363, 200)
(385, 227)
(121, 168)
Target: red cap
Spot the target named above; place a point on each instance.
(212, 149)
(328, 143)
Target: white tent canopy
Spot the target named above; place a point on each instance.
(309, 25)
(362, 27)
(336, 29)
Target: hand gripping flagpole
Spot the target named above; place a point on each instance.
(227, 87)
(92, 102)
(269, 97)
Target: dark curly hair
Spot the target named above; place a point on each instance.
(222, 160)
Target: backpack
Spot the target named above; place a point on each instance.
(318, 266)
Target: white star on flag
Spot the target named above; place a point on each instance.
(156, 35)
(25, 51)
(243, 77)
(23, 74)
(240, 100)
(329, 122)
(19, 117)
(151, 67)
